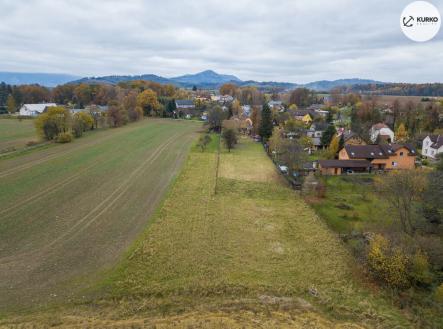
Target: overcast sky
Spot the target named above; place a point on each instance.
(284, 40)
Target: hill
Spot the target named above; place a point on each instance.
(43, 79)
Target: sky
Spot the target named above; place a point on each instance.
(286, 40)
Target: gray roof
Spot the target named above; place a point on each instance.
(184, 102)
(437, 141)
(39, 108)
(382, 151)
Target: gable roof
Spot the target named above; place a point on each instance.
(365, 152)
(39, 108)
(379, 126)
(184, 102)
(319, 126)
(437, 141)
(347, 135)
(382, 151)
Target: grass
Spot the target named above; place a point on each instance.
(254, 254)
(70, 211)
(351, 204)
(14, 133)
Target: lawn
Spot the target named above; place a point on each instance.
(351, 204)
(71, 211)
(14, 133)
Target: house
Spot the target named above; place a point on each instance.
(97, 108)
(315, 132)
(337, 167)
(432, 146)
(383, 156)
(304, 115)
(184, 104)
(246, 109)
(33, 110)
(352, 138)
(226, 99)
(381, 132)
(278, 105)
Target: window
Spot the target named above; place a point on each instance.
(394, 164)
(401, 154)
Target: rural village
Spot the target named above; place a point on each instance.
(209, 164)
(370, 166)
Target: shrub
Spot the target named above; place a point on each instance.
(438, 295)
(420, 270)
(64, 138)
(388, 264)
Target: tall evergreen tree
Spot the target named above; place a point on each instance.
(328, 134)
(265, 130)
(341, 142)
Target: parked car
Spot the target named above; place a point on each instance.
(283, 169)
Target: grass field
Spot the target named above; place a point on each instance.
(251, 255)
(351, 204)
(14, 134)
(70, 211)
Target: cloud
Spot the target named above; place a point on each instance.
(288, 40)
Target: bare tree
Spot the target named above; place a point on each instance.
(401, 189)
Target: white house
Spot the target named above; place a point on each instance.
(315, 132)
(34, 109)
(184, 104)
(432, 146)
(381, 131)
(246, 109)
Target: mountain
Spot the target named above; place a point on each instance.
(114, 79)
(206, 77)
(212, 80)
(43, 79)
(328, 85)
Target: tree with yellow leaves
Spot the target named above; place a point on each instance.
(147, 100)
(401, 134)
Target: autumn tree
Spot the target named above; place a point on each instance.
(236, 108)
(215, 118)
(135, 112)
(148, 102)
(293, 155)
(10, 104)
(117, 116)
(54, 121)
(302, 97)
(203, 142)
(82, 122)
(401, 134)
(229, 138)
(333, 147)
(229, 89)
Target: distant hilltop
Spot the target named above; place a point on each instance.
(43, 79)
(205, 79)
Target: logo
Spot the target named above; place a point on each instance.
(420, 21)
(408, 21)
